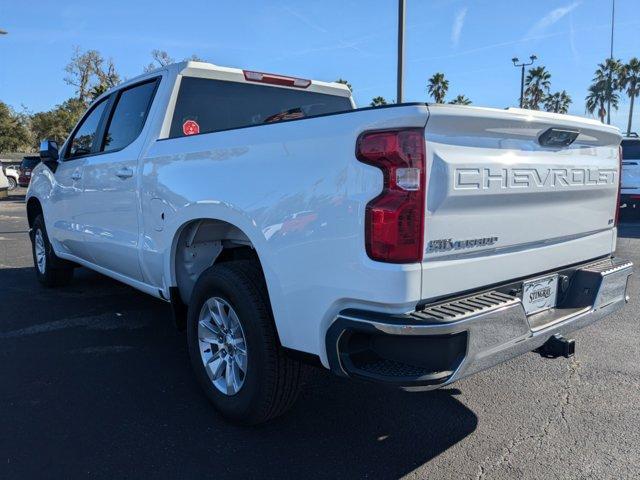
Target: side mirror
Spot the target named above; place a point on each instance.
(48, 150)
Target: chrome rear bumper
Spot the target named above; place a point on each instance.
(445, 342)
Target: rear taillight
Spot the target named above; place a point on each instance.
(619, 185)
(394, 220)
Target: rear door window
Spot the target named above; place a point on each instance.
(205, 105)
(129, 115)
(84, 138)
(631, 150)
(29, 162)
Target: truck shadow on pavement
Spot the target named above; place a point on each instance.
(96, 383)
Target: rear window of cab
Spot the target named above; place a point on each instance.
(631, 149)
(206, 105)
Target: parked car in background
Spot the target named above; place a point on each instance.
(410, 245)
(13, 174)
(630, 191)
(26, 166)
(4, 184)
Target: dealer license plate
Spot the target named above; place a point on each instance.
(539, 294)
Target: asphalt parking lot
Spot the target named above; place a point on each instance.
(96, 383)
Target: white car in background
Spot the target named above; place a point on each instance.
(12, 174)
(4, 184)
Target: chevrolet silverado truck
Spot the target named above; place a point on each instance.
(410, 245)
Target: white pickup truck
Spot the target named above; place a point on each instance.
(410, 245)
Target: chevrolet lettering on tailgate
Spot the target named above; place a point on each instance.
(504, 178)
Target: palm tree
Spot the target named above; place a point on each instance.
(609, 74)
(557, 102)
(460, 100)
(630, 81)
(378, 101)
(597, 100)
(537, 85)
(437, 87)
(344, 82)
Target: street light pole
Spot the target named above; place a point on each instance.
(401, 18)
(610, 86)
(522, 65)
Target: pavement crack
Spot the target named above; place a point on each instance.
(564, 402)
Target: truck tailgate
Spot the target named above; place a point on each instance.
(502, 205)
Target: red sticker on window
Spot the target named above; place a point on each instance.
(190, 127)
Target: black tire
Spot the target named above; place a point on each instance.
(272, 380)
(56, 272)
(12, 183)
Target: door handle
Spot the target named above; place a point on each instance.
(76, 175)
(124, 172)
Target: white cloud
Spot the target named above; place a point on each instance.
(550, 18)
(458, 23)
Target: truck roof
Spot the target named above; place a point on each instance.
(209, 70)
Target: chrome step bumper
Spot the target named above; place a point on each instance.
(445, 342)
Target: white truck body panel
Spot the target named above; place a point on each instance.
(297, 192)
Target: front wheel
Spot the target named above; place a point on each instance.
(234, 348)
(51, 271)
(12, 183)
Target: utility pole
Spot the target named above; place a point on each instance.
(515, 61)
(610, 81)
(401, 17)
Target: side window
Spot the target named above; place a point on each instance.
(206, 105)
(83, 140)
(631, 150)
(128, 116)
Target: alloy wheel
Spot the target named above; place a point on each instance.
(41, 254)
(223, 347)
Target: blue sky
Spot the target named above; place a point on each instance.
(471, 41)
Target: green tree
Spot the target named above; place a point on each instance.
(90, 74)
(194, 58)
(344, 82)
(630, 82)
(557, 102)
(81, 71)
(537, 84)
(597, 99)
(608, 74)
(57, 123)
(161, 59)
(460, 100)
(107, 78)
(14, 131)
(378, 101)
(437, 86)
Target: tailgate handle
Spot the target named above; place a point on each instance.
(557, 137)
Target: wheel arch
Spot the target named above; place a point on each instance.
(34, 208)
(202, 242)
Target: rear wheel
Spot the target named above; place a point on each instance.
(234, 348)
(50, 270)
(12, 183)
